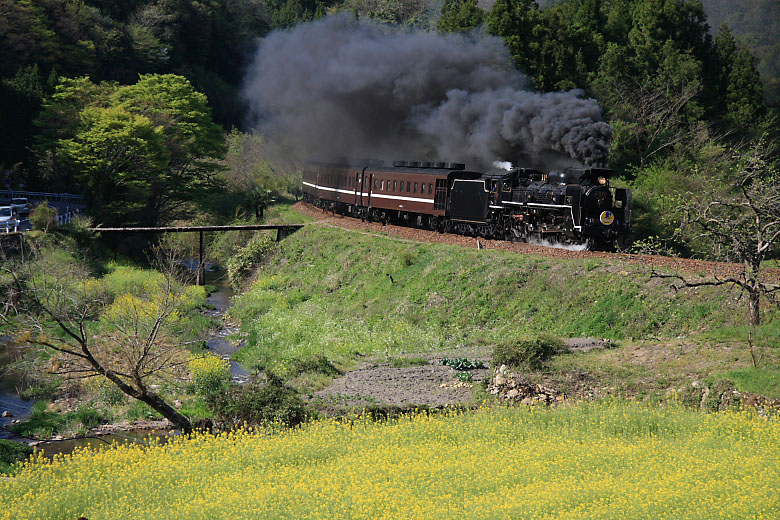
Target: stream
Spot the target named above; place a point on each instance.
(19, 409)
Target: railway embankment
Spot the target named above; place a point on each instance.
(368, 297)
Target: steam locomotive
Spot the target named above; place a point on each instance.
(573, 206)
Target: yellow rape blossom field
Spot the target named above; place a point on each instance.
(612, 460)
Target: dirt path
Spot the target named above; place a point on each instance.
(377, 382)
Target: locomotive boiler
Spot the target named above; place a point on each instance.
(574, 206)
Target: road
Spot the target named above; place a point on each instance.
(61, 207)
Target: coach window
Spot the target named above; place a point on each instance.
(395, 185)
(415, 187)
(382, 186)
(402, 185)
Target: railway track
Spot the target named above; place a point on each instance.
(687, 265)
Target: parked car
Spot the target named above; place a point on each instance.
(9, 220)
(22, 206)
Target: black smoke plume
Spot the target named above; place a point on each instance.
(342, 88)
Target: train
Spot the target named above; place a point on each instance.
(573, 206)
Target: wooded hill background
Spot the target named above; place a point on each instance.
(673, 76)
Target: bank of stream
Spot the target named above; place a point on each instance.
(19, 409)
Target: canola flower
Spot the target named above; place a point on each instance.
(609, 460)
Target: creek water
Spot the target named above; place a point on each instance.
(221, 300)
(10, 382)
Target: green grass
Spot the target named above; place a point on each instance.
(12, 453)
(412, 361)
(43, 423)
(763, 381)
(327, 291)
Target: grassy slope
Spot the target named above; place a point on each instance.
(327, 290)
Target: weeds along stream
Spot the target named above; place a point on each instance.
(220, 299)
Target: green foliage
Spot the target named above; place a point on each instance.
(248, 257)
(326, 291)
(402, 362)
(464, 377)
(136, 151)
(317, 364)
(42, 423)
(462, 364)
(460, 16)
(270, 403)
(11, 453)
(528, 353)
(763, 381)
(43, 217)
(89, 416)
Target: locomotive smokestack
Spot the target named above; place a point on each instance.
(342, 87)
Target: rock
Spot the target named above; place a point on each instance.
(528, 400)
(512, 393)
(498, 381)
(6, 413)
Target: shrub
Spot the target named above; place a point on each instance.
(210, 374)
(248, 257)
(12, 452)
(317, 364)
(462, 364)
(43, 217)
(527, 353)
(90, 416)
(270, 403)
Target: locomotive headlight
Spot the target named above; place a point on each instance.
(602, 180)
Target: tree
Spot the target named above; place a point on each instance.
(74, 321)
(139, 152)
(249, 171)
(460, 16)
(515, 20)
(741, 227)
(117, 157)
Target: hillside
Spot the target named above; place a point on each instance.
(352, 296)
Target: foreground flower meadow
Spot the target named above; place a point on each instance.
(607, 460)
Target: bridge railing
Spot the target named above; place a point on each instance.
(66, 217)
(41, 195)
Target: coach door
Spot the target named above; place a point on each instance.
(357, 187)
(440, 197)
(365, 190)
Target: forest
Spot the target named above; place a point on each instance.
(674, 78)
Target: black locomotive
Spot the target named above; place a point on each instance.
(572, 206)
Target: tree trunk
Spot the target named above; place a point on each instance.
(156, 402)
(167, 411)
(754, 313)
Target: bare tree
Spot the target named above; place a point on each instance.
(655, 114)
(740, 228)
(130, 340)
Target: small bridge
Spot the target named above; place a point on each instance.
(282, 230)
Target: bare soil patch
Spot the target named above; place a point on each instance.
(377, 382)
